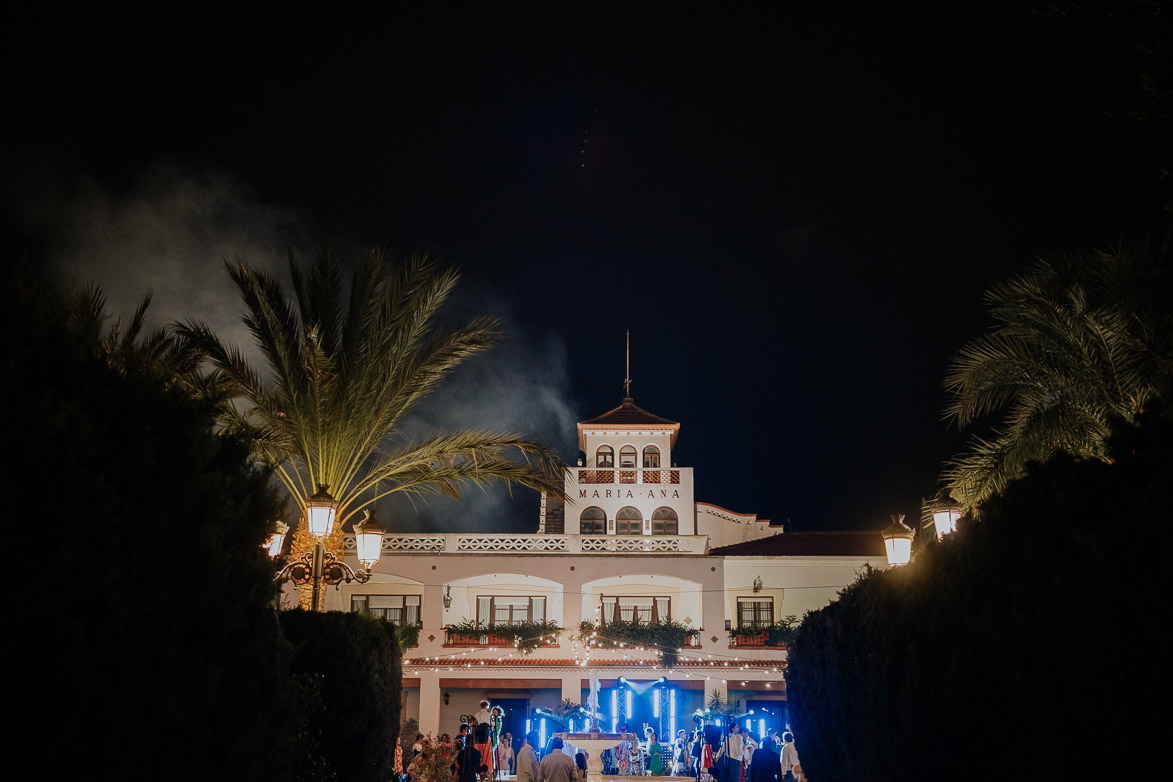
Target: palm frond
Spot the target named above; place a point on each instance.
(1069, 350)
(346, 371)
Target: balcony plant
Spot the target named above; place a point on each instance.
(526, 636)
(780, 633)
(408, 635)
(664, 637)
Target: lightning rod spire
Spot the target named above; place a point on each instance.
(627, 377)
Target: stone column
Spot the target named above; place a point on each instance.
(429, 703)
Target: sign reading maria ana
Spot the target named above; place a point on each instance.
(627, 494)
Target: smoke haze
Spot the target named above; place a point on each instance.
(171, 234)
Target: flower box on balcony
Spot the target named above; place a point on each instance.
(526, 636)
(760, 640)
(773, 636)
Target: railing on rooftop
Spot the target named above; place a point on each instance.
(627, 475)
(458, 543)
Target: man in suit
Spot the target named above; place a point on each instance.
(557, 766)
(527, 759)
(765, 765)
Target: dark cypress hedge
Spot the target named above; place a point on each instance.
(140, 642)
(1030, 644)
(352, 662)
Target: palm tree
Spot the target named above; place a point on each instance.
(1079, 340)
(127, 347)
(346, 369)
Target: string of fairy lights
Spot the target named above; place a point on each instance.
(584, 644)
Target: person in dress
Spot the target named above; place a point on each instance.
(680, 754)
(635, 760)
(712, 744)
(623, 754)
(496, 724)
(580, 764)
(483, 741)
(398, 765)
(445, 762)
(418, 770)
(655, 753)
(505, 756)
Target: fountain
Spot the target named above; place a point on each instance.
(594, 744)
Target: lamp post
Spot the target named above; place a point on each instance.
(318, 567)
(945, 514)
(898, 542)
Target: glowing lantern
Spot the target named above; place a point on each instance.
(320, 509)
(898, 542)
(945, 515)
(368, 535)
(276, 540)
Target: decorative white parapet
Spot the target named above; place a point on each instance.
(457, 543)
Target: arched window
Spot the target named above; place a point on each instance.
(629, 521)
(627, 456)
(651, 457)
(664, 522)
(593, 521)
(605, 456)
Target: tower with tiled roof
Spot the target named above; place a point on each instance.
(627, 483)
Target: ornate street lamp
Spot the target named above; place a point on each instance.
(945, 514)
(320, 509)
(319, 566)
(276, 540)
(898, 542)
(368, 537)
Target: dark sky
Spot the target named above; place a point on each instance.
(794, 213)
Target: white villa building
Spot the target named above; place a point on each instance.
(630, 543)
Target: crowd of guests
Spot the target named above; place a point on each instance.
(482, 752)
(708, 754)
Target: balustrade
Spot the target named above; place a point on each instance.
(657, 476)
(456, 543)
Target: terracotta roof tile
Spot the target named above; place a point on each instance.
(807, 544)
(628, 415)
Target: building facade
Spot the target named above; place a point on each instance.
(629, 546)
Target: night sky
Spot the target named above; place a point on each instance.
(794, 213)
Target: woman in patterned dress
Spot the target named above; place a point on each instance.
(623, 754)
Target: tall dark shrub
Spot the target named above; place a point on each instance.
(141, 643)
(357, 660)
(1026, 645)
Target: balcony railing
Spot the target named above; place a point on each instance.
(457, 543)
(626, 475)
(755, 641)
(459, 638)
